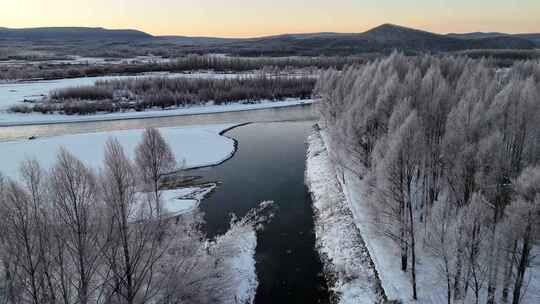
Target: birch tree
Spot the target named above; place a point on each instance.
(154, 159)
(76, 210)
(133, 248)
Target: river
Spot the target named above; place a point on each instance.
(269, 164)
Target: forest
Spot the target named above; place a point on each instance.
(448, 151)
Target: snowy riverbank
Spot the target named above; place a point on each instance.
(15, 119)
(347, 263)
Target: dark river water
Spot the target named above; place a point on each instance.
(269, 164)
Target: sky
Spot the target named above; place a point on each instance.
(251, 18)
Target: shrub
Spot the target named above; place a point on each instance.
(143, 93)
(82, 93)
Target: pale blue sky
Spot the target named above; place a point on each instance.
(257, 17)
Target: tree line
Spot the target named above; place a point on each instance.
(502, 58)
(74, 235)
(158, 92)
(181, 64)
(448, 150)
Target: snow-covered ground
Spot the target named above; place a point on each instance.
(237, 249)
(194, 146)
(351, 274)
(397, 284)
(184, 200)
(12, 119)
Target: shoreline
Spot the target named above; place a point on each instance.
(233, 152)
(348, 266)
(191, 111)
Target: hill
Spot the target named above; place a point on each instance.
(381, 39)
(384, 38)
(71, 34)
(532, 37)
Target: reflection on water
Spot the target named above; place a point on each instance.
(269, 165)
(263, 115)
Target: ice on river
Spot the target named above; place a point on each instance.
(195, 146)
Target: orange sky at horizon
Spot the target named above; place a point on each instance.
(242, 18)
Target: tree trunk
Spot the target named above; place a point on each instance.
(127, 256)
(448, 282)
(522, 267)
(509, 269)
(83, 287)
(413, 250)
(459, 268)
(403, 236)
(492, 264)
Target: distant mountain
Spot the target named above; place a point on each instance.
(383, 38)
(196, 41)
(71, 34)
(389, 36)
(532, 37)
(476, 35)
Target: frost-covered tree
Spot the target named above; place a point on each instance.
(476, 130)
(523, 218)
(154, 159)
(77, 212)
(398, 191)
(133, 249)
(442, 243)
(70, 236)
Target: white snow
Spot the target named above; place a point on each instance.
(12, 119)
(239, 244)
(352, 276)
(184, 200)
(174, 202)
(195, 146)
